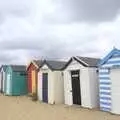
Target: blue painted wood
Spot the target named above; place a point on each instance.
(103, 73)
(45, 87)
(106, 103)
(105, 88)
(106, 58)
(105, 98)
(112, 59)
(104, 93)
(105, 83)
(104, 78)
(105, 109)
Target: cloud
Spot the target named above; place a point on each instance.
(68, 11)
(37, 29)
(17, 8)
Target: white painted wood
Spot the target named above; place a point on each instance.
(51, 87)
(39, 86)
(0, 80)
(115, 90)
(94, 87)
(59, 87)
(67, 88)
(3, 81)
(55, 85)
(8, 84)
(3, 74)
(88, 85)
(114, 59)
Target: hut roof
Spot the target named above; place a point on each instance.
(108, 56)
(4, 67)
(18, 68)
(85, 61)
(38, 62)
(91, 62)
(54, 64)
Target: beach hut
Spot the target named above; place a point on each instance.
(16, 80)
(109, 83)
(32, 75)
(50, 82)
(2, 77)
(81, 82)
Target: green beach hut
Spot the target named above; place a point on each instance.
(16, 80)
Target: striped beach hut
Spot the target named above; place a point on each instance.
(109, 82)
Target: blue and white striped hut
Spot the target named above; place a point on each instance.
(109, 82)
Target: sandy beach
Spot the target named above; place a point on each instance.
(23, 108)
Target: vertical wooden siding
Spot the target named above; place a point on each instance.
(33, 81)
(30, 80)
(7, 84)
(19, 83)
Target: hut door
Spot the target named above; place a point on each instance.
(76, 87)
(3, 85)
(1, 81)
(8, 84)
(45, 87)
(115, 90)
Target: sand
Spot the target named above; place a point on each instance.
(23, 108)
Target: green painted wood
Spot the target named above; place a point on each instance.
(18, 83)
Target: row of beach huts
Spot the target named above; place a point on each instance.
(88, 82)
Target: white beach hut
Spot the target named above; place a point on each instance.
(50, 82)
(81, 82)
(2, 77)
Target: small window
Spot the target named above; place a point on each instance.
(23, 74)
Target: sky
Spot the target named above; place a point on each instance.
(57, 29)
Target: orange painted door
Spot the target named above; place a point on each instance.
(33, 81)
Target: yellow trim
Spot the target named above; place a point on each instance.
(33, 82)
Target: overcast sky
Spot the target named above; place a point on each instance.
(33, 29)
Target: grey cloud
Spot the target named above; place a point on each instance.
(18, 8)
(21, 43)
(6, 58)
(51, 46)
(86, 10)
(1, 18)
(45, 43)
(20, 12)
(53, 41)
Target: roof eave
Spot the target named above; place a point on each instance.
(32, 62)
(114, 51)
(81, 61)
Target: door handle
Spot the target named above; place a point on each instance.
(70, 90)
